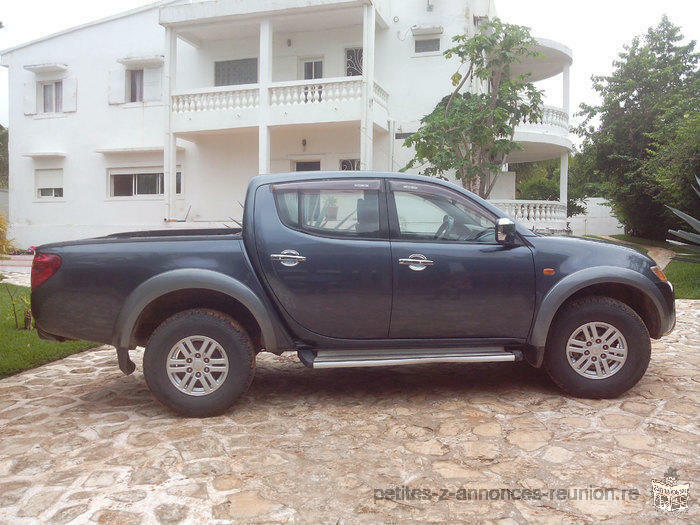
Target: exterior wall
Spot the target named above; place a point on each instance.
(598, 220)
(85, 210)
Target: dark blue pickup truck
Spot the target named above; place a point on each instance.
(354, 269)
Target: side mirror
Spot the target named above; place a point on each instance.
(505, 228)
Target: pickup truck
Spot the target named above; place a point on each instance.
(354, 269)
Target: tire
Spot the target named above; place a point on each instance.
(231, 357)
(571, 332)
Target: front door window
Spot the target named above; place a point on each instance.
(427, 212)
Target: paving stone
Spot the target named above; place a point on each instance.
(169, 513)
(68, 514)
(312, 447)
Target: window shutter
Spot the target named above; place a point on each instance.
(49, 178)
(29, 98)
(70, 95)
(117, 86)
(152, 83)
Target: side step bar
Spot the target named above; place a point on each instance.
(393, 357)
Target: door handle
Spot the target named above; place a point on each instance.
(416, 262)
(288, 258)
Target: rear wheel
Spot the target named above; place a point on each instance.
(198, 362)
(598, 347)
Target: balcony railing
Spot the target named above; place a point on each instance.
(552, 116)
(217, 99)
(315, 91)
(296, 101)
(540, 215)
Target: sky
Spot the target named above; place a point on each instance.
(595, 30)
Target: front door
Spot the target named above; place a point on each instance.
(324, 251)
(469, 286)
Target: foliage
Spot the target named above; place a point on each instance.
(685, 277)
(22, 349)
(4, 157)
(5, 243)
(689, 241)
(643, 139)
(540, 181)
(470, 132)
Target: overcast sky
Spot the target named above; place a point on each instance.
(595, 30)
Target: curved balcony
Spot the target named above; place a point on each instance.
(543, 140)
(545, 216)
(553, 59)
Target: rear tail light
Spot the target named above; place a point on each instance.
(43, 267)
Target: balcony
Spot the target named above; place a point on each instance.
(545, 139)
(544, 216)
(291, 102)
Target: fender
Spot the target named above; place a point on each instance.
(175, 280)
(576, 281)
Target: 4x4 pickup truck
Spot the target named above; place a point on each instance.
(354, 269)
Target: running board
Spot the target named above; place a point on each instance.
(393, 357)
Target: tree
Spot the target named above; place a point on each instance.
(470, 131)
(540, 181)
(645, 142)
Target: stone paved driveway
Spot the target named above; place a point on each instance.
(79, 441)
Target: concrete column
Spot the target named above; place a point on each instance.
(265, 80)
(564, 178)
(566, 89)
(170, 146)
(367, 120)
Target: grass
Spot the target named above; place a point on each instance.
(685, 277)
(22, 349)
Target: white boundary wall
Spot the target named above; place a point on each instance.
(598, 220)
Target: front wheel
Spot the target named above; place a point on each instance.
(198, 362)
(598, 347)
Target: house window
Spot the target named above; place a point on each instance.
(48, 183)
(350, 165)
(313, 69)
(430, 45)
(140, 182)
(134, 78)
(236, 72)
(51, 97)
(353, 62)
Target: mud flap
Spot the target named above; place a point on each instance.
(126, 365)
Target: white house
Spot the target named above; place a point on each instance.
(159, 116)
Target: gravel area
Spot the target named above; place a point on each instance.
(80, 442)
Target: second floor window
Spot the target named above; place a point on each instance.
(430, 45)
(353, 62)
(52, 97)
(236, 72)
(135, 85)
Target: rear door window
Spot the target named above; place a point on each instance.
(332, 208)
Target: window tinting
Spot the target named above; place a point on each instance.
(338, 212)
(428, 46)
(236, 72)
